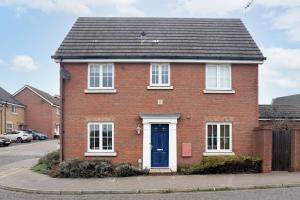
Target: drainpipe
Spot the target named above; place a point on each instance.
(62, 101)
(64, 75)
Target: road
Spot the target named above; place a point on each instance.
(265, 194)
(24, 151)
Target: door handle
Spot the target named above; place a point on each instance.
(159, 149)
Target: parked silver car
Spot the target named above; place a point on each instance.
(18, 136)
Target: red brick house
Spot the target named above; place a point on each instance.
(42, 112)
(158, 92)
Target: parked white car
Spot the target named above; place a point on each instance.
(18, 136)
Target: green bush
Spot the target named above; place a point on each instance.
(224, 165)
(47, 162)
(126, 169)
(50, 160)
(103, 168)
(85, 169)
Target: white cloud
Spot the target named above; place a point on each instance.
(75, 7)
(289, 21)
(287, 18)
(23, 63)
(1, 61)
(281, 69)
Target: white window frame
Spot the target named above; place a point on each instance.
(100, 77)
(218, 150)
(218, 77)
(100, 137)
(14, 109)
(160, 84)
(8, 129)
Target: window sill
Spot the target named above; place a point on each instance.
(160, 87)
(95, 91)
(218, 153)
(100, 154)
(218, 91)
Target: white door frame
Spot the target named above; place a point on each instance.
(160, 118)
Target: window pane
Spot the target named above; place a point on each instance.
(107, 137)
(211, 76)
(97, 137)
(212, 137)
(94, 136)
(94, 75)
(164, 74)
(224, 77)
(155, 74)
(107, 76)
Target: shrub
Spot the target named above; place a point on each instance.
(224, 165)
(50, 160)
(126, 169)
(85, 169)
(103, 168)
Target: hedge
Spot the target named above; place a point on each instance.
(224, 165)
(76, 168)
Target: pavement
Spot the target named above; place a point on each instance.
(17, 176)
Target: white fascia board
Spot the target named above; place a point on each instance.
(157, 61)
(5, 102)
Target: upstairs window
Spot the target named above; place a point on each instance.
(218, 77)
(160, 74)
(13, 109)
(101, 76)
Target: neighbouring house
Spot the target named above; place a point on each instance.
(158, 92)
(11, 112)
(280, 124)
(287, 100)
(42, 111)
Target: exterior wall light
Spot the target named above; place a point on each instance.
(138, 130)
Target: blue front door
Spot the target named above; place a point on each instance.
(160, 145)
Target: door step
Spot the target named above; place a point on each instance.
(160, 171)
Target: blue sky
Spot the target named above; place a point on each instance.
(30, 32)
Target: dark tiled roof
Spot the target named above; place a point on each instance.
(287, 100)
(178, 38)
(7, 97)
(47, 96)
(279, 112)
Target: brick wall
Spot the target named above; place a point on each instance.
(187, 97)
(16, 119)
(38, 112)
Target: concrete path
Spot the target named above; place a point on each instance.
(17, 176)
(28, 181)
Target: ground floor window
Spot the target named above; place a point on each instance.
(218, 137)
(101, 137)
(9, 127)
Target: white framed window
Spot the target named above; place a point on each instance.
(218, 137)
(218, 77)
(100, 137)
(159, 74)
(13, 109)
(9, 127)
(57, 111)
(101, 76)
